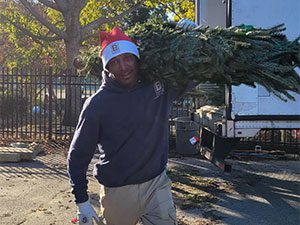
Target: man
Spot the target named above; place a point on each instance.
(129, 122)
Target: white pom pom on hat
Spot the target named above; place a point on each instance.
(115, 43)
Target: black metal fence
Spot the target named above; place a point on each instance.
(35, 105)
(268, 139)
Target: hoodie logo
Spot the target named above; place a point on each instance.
(115, 48)
(158, 88)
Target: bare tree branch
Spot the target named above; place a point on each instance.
(36, 38)
(61, 4)
(42, 20)
(50, 4)
(3, 4)
(83, 4)
(39, 53)
(86, 30)
(113, 12)
(171, 9)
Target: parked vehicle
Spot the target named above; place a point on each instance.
(248, 110)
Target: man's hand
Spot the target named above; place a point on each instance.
(86, 213)
(186, 24)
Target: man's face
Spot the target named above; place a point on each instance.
(124, 69)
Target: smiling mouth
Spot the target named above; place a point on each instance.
(126, 76)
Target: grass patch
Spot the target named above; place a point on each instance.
(189, 189)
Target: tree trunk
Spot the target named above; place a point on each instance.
(73, 89)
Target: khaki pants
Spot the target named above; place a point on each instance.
(150, 203)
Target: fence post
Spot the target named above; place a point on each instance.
(50, 103)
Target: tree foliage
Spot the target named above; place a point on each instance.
(42, 31)
(176, 9)
(17, 49)
(41, 26)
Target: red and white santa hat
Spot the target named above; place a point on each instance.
(115, 43)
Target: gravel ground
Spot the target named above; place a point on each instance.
(263, 192)
(255, 192)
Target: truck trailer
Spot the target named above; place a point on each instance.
(247, 110)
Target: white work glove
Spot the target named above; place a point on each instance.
(186, 24)
(86, 214)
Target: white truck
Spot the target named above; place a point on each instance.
(247, 109)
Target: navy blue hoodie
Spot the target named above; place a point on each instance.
(131, 129)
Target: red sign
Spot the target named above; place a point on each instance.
(296, 134)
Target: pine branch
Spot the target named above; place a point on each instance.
(234, 56)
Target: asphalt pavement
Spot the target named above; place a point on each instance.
(258, 192)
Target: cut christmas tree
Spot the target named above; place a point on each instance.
(236, 55)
